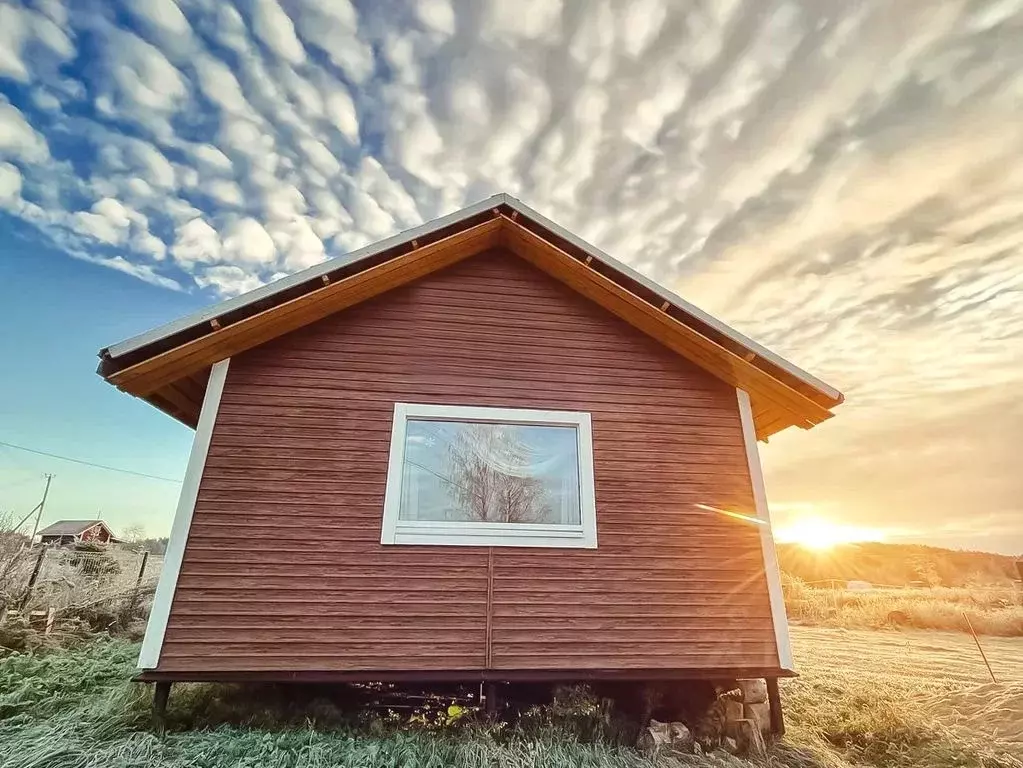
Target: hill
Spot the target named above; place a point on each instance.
(897, 565)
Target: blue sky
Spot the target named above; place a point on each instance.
(841, 181)
(58, 312)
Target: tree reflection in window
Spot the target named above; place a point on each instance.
(491, 473)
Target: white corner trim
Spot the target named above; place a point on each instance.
(156, 628)
(771, 568)
(473, 534)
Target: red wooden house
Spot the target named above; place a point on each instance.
(67, 532)
(479, 450)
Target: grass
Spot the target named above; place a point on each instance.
(911, 698)
(842, 719)
(991, 611)
(75, 708)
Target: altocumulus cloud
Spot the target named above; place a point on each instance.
(842, 180)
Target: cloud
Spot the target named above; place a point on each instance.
(29, 37)
(10, 184)
(340, 110)
(210, 158)
(142, 271)
(139, 84)
(299, 243)
(164, 23)
(838, 181)
(225, 192)
(217, 83)
(529, 19)
(228, 280)
(275, 29)
(332, 25)
(245, 241)
(195, 242)
(437, 15)
(18, 139)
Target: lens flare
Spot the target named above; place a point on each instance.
(819, 533)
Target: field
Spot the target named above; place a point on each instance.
(905, 698)
(902, 585)
(900, 699)
(989, 610)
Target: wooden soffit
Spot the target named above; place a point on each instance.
(174, 379)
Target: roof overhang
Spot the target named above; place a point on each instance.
(170, 365)
(71, 528)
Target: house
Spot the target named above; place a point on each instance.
(68, 532)
(479, 450)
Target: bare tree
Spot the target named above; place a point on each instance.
(484, 491)
(134, 534)
(15, 560)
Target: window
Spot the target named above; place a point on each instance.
(489, 476)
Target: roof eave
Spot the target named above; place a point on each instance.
(312, 273)
(676, 300)
(126, 353)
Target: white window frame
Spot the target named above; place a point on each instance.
(472, 534)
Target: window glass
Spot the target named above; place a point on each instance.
(463, 471)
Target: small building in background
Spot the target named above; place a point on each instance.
(64, 533)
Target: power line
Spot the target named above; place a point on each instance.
(89, 463)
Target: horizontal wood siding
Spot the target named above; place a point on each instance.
(284, 570)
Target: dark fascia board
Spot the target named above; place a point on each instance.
(125, 353)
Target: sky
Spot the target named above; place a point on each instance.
(841, 181)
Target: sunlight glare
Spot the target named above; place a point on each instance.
(818, 533)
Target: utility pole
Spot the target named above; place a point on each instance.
(42, 505)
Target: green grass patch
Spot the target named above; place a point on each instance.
(76, 709)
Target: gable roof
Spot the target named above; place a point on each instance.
(169, 366)
(70, 527)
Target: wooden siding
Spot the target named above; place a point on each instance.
(283, 570)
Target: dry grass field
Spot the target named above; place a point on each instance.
(903, 698)
(991, 610)
(889, 699)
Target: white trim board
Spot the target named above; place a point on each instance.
(771, 568)
(156, 628)
(474, 534)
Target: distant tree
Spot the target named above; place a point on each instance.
(153, 546)
(134, 534)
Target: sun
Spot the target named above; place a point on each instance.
(820, 534)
